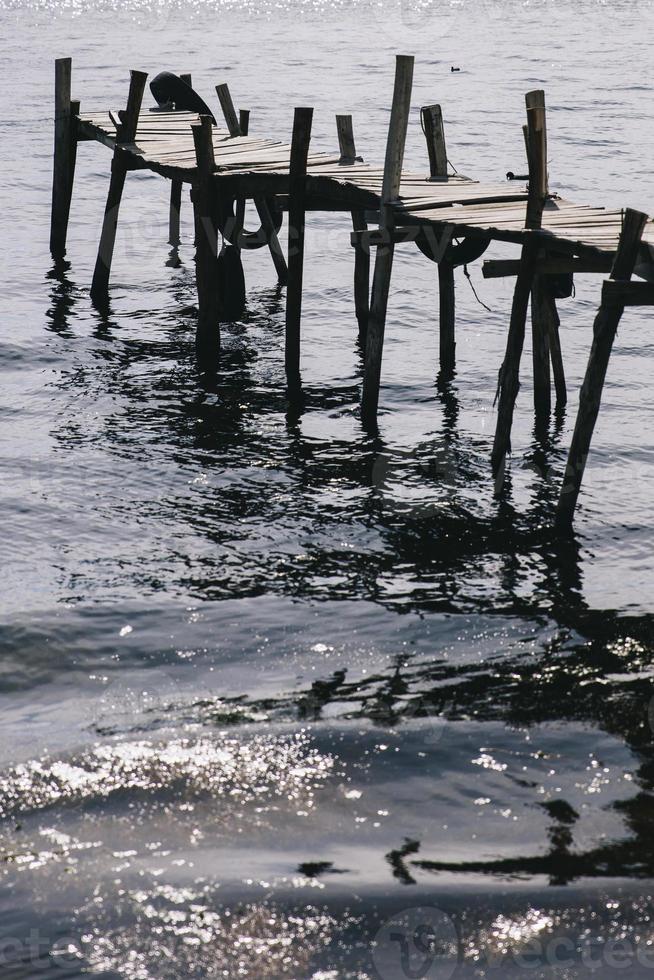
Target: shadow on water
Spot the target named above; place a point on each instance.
(434, 538)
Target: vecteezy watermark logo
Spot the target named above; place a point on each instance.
(439, 473)
(432, 720)
(406, 22)
(141, 702)
(417, 944)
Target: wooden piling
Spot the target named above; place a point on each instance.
(541, 311)
(348, 153)
(124, 134)
(541, 304)
(553, 324)
(176, 197)
(604, 331)
(65, 141)
(302, 121)
(233, 123)
(509, 380)
(206, 245)
(432, 123)
(393, 162)
(434, 130)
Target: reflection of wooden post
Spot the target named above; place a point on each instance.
(509, 384)
(176, 197)
(206, 244)
(65, 145)
(125, 133)
(432, 121)
(297, 189)
(384, 257)
(361, 253)
(604, 331)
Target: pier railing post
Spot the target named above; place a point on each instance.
(176, 197)
(604, 331)
(235, 128)
(393, 162)
(206, 245)
(509, 380)
(432, 122)
(65, 142)
(297, 188)
(125, 133)
(347, 149)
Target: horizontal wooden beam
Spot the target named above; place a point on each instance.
(501, 268)
(375, 237)
(620, 293)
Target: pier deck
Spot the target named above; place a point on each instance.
(451, 219)
(248, 165)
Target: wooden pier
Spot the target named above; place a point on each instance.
(451, 219)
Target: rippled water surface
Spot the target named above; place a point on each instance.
(277, 696)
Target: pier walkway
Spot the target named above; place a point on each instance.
(451, 218)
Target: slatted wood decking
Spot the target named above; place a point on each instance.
(452, 218)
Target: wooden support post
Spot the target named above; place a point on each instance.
(604, 331)
(541, 311)
(176, 198)
(361, 253)
(125, 134)
(446, 318)
(432, 124)
(244, 121)
(65, 141)
(509, 379)
(233, 123)
(553, 324)
(296, 219)
(384, 258)
(206, 239)
(540, 303)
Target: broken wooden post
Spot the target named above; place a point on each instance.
(244, 121)
(176, 197)
(348, 153)
(263, 210)
(604, 331)
(65, 144)
(509, 379)
(206, 245)
(297, 187)
(384, 258)
(432, 124)
(125, 133)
